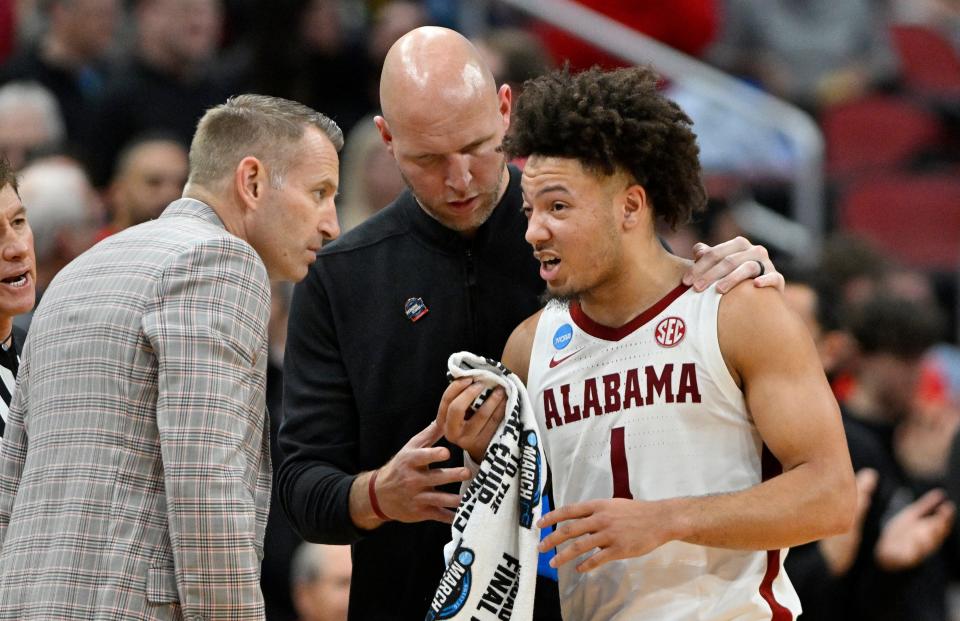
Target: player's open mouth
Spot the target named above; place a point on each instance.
(548, 268)
(20, 280)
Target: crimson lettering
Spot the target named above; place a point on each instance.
(570, 415)
(591, 401)
(611, 393)
(550, 409)
(688, 383)
(622, 391)
(632, 392)
(661, 385)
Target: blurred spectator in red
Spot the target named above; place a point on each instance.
(889, 566)
(150, 174)
(850, 270)
(69, 58)
(321, 582)
(687, 25)
(812, 52)
(893, 333)
(168, 85)
(30, 122)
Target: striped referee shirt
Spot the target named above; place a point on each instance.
(9, 365)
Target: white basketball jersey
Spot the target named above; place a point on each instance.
(650, 411)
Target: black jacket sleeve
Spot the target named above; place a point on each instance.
(318, 434)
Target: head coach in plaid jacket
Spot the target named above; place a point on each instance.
(135, 470)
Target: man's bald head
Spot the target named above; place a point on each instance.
(430, 70)
(443, 121)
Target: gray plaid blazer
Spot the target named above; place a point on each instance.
(135, 469)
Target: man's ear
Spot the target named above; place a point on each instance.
(635, 205)
(250, 179)
(505, 104)
(385, 135)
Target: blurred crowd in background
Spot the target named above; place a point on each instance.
(99, 99)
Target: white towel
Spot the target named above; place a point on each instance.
(492, 556)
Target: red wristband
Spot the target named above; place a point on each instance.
(372, 492)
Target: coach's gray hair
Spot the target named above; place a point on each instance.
(268, 128)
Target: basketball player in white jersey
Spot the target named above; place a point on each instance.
(692, 438)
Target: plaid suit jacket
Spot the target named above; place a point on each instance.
(135, 469)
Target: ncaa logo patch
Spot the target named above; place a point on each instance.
(454, 586)
(563, 336)
(670, 332)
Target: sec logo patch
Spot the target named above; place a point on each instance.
(670, 332)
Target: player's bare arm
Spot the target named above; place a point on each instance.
(771, 357)
(516, 353)
(472, 429)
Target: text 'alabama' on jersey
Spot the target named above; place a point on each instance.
(649, 411)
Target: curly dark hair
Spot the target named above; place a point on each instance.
(610, 120)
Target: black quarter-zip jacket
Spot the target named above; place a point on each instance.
(361, 378)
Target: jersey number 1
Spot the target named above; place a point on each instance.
(618, 464)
